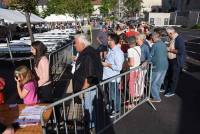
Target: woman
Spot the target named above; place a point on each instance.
(134, 54)
(41, 67)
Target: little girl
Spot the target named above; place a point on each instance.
(2, 85)
(26, 85)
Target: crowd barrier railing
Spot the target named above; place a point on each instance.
(95, 109)
(59, 59)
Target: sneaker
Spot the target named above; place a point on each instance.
(169, 94)
(162, 90)
(114, 114)
(154, 100)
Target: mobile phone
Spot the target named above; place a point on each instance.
(16, 77)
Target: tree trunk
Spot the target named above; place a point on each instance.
(28, 22)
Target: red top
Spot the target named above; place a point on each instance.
(131, 33)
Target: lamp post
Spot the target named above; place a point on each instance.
(119, 8)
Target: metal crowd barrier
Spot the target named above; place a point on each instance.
(95, 109)
(59, 59)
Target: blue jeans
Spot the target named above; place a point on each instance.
(89, 102)
(114, 96)
(157, 80)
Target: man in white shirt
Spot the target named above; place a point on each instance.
(112, 67)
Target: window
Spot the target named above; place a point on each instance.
(166, 21)
(151, 21)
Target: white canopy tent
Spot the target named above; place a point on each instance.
(61, 18)
(16, 17)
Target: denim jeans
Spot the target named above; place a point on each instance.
(89, 108)
(157, 80)
(114, 96)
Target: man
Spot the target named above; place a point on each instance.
(131, 32)
(176, 61)
(102, 40)
(112, 67)
(145, 52)
(160, 65)
(88, 72)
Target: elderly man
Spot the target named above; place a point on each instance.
(176, 53)
(145, 52)
(88, 72)
(112, 67)
(160, 65)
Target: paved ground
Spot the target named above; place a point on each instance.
(176, 115)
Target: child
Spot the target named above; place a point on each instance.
(26, 85)
(2, 86)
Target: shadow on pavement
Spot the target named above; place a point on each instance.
(189, 91)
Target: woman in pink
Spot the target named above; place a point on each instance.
(134, 53)
(41, 68)
(26, 85)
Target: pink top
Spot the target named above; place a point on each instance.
(43, 71)
(31, 97)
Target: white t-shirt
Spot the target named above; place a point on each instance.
(135, 53)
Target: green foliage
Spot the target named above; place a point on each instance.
(73, 7)
(133, 5)
(28, 6)
(107, 6)
(197, 26)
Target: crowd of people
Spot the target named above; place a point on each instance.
(127, 47)
(136, 46)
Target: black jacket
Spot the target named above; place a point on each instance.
(88, 65)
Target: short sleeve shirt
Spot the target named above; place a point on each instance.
(103, 37)
(135, 53)
(31, 97)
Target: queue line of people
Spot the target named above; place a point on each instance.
(141, 50)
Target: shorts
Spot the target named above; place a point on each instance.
(102, 48)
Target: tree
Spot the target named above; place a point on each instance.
(107, 6)
(54, 7)
(26, 7)
(133, 6)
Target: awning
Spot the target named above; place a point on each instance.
(16, 17)
(61, 18)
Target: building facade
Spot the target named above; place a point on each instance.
(149, 5)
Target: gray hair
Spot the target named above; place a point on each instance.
(170, 30)
(155, 36)
(141, 36)
(83, 39)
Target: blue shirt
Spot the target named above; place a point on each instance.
(145, 53)
(115, 57)
(159, 57)
(180, 46)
